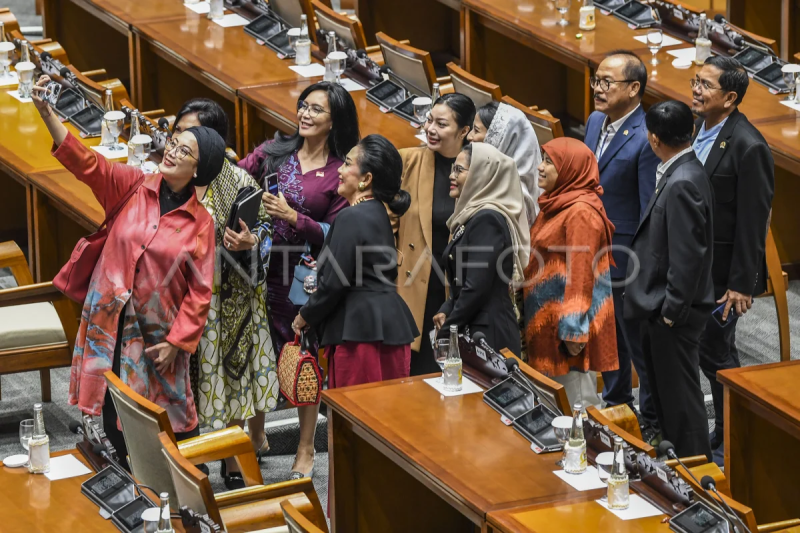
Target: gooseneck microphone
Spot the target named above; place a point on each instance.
(708, 484)
(77, 428)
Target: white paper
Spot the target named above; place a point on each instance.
(11, 79)
(588, 480)
(108, 153)
(309, 71)
(200, 8)
(666, 41)
(683, 53)
(232, 19)
(467, 387)
(350, 85)
(15, 94)
(422, 137)
(66, 466)
(638, 508)
(793, 105)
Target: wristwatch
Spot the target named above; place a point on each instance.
(667, 321)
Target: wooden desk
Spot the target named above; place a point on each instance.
(556, 517)
(34, 503)
(405, 458)
(275, 106)
(762, 438)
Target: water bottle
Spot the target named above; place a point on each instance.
(303, 48)
(39, 445)
(329, 75)
(133, 153)
(587, 21)
(452, 365)
(106, 139)
(702, 45)
(164, 522)
(575, 448)
(618, 490)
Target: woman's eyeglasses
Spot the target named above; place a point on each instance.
(313, 109)
(181, 152)
(458, 169)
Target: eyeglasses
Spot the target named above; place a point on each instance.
(182, 151)
(458, 169)
(605, 84)
(313, 110)
(694, 82)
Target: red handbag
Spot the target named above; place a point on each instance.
(299, 375)
(74, 277)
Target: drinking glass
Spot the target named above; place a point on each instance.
(114, 123)
(790, 73)
(561, 428)
(216, 9)
(422, 106)
(604, 461)
(442, 349)
(25, 433)
(141, 150)
(292, 36)
(563, 7)
(5, 58)
(338, 64)
(25, 72)
(654, 39)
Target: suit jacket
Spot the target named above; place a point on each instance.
(742, 173)
(356, 299)
(674, 247)
(628, 177)
(415, 232)
(479, 297)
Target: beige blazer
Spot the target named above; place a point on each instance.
(415, 233)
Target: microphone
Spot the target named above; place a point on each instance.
(719, 19)
(163, 123)
(708, 484)
(77, 428)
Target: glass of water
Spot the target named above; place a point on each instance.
(5, 58)
(114, 123)
(338, 64)
(604, 461)
(563, 7)
(422, 106)
(790, 73)
(442, 348)
(25, 432)
(25, 72)
(292, 36)
(216, 9)
(654, 39)
(561, 428)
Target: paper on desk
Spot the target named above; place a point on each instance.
(200, 8)
(638, 508)
(793, 105)
(682, 53)
(108, 153)
(350, 85)
(467, 387)
(15, 94)
(666, 40)
(232, 19)
(66, 466)
(588, 480)
(11, 79)
(309, 71)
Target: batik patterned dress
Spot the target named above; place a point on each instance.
(572, 304)
(237, 367)
(158, 271)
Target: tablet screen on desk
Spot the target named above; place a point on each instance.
(69, 103)
(263, 27)
(536, 426)
(753, 59)
(130, 515)
(388, 93)
(280, 43)
(88, 120)
(506, 393)
(772, 75)
(609, 5)
(636, 12)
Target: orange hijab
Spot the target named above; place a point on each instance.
(578, 180)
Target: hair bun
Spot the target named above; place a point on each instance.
(400, 203)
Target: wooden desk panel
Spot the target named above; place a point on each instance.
(276, 105)
(762, 438)
(141, 10)
(455, 448)
(585, 515)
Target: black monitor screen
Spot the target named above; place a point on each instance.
(536, 423)
(263, 27)
(773, 75)
(88, 120)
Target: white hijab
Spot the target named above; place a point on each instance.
(512, 133)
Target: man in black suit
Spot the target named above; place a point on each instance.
(738, 161)
(671, 292)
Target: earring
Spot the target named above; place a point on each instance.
(361, 186)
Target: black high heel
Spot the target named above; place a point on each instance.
(263, 449)
(233, 480)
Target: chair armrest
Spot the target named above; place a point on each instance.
(229, 442)
(694, 460)
(253, 494)
(372, 49)
(778, 526)
(30, 294)
(447, 88)
(260, 506)
(443, 80)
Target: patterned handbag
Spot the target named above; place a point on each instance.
(299, 375)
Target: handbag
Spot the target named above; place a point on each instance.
(304, 281)
(74, 277)
(299, 375)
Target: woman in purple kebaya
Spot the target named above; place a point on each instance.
(307, 164)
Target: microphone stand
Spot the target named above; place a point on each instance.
(709, 484)
(100, 450)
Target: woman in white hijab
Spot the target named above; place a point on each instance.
(507, 128)
(489, 248)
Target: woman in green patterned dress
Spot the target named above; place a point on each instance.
(236, 368)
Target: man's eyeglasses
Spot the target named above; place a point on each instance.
(313, 110)
(181, 152)
(458, 169)
(694, 82)
(605, 84)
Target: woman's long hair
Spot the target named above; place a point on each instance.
(379, 156)
(344, 134)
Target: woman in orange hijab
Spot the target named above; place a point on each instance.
(569, 309)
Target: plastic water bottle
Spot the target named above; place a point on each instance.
(452, 365)
(575, 448)
(303, 48)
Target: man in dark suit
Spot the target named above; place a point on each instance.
(671, 292)
(616, 133)
(738, 161)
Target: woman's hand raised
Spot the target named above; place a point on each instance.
(276, 206)
(57, 130)
(38, 89)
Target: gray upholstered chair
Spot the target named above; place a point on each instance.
(411, 66)
(481, 92)
(142, 421)
(247, 509)
(546, 126)
(347, 29)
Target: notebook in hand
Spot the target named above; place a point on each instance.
(245, 207)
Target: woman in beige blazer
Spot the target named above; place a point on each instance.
(423, 233)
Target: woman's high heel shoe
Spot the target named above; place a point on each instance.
(262, 450)
(294, 474)
(233, 480)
